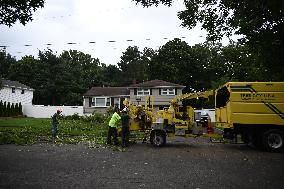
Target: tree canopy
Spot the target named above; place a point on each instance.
(22, 11)
(260, 22)
(63, 79)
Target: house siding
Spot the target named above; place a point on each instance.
(17, 97)
(159, 100)
(89, 109)
(130, 93)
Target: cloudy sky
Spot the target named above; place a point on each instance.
(83, 21)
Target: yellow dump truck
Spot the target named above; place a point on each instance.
(253, 110)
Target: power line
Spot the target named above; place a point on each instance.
(90, 42)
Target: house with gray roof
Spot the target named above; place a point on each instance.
(162, 92)
(100, 98)
(16, 92)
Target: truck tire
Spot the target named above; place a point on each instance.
(158, 138)
(273, 140)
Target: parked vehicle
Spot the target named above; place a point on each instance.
(203, 120)
(253, 110)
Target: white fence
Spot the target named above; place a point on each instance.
(40, 111)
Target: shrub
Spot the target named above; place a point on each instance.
(8, 109)
(13, 112)
(1, 109)
(17, 109)
(109, 110)
(5, 114)
(75, 116)
(20, 109)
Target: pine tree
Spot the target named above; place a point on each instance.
(20, 109)
(8, 109)
(1, 109)
(17, 112)
(5, 109)
(13, 112)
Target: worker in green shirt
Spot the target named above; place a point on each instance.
(55, 124)
(112, 127)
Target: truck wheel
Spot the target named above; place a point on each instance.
(158, 139)
(273, 140)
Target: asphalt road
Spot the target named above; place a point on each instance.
(190, 163)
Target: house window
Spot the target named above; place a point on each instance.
(168, 92)
(23, 92)
(101, 102)
(13, 90)
(143, 92)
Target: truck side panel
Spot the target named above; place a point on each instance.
(257, 113)
(260, 96)
(255, 103)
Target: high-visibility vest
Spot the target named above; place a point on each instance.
(114, 120)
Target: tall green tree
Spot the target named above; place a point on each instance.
(260, 22)
(147, 57)
(13, 112)
(1, 109)
(17, 112)
(175, 62)
(8, 109)
(20, 109)
(5, 109)
(82, 72)
(133, 65)
(240, 64)
(57, 78)
(13, 10)
(25, 71)
(33, 73)
(6, 61)
(110, 75)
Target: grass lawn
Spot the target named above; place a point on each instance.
(32, 130)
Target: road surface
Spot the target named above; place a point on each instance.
(182, 163)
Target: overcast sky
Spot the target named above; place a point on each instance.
(100, 21)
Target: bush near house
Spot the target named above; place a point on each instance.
(10, 110)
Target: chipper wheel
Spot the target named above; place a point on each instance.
(158, 138)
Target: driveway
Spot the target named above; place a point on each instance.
(182, 163)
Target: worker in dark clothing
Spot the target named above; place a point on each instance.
(55, 124)
(125, 127)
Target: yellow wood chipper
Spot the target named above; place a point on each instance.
(176, 120)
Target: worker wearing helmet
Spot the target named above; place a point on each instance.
(112, 125)
(55, 124)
